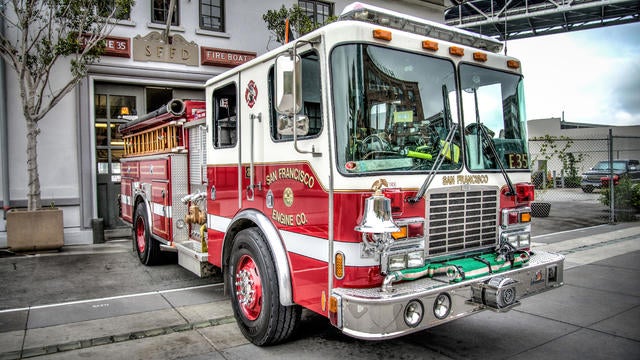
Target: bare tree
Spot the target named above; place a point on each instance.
(42, 35)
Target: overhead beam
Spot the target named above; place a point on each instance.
(515, 19)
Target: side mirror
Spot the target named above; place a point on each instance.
(288, 84)
(285, 125)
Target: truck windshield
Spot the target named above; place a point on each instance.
(392, 110)
(493, 100)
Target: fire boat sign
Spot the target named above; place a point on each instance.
(224, 57)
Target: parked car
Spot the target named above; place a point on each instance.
(594, 178)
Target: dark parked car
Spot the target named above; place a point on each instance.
(592, 179)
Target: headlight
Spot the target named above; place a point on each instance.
(413, 313)
(397, 262)
(524, 240)
(518, 240)
(513, 239)
(415, 259)
(442, 306)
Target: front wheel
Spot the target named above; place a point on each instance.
(147, 248)
(253, 285)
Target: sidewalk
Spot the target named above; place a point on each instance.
(602, 281)
(46, 329)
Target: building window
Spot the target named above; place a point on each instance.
(212, 15)
(317, 11)
(105, 7)
(160, 11)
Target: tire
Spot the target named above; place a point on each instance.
(147, 248)
(587, 189)
(253, 285)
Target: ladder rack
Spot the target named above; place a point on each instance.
(162, 139)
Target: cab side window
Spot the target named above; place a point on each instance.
(311, 98)
(224, 116)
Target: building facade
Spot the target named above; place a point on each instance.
(79, 146)
(587, 142)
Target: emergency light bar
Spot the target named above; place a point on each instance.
(395, 20)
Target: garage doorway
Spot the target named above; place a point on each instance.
(113, 105)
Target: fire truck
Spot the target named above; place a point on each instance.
(374, 171)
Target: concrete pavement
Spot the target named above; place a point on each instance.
(594, 315)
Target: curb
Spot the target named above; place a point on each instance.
(106, 340)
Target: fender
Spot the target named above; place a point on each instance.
(251, 217)
(139, 195)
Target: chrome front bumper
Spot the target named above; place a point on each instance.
(374, 314)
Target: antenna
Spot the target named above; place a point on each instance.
(506, 37)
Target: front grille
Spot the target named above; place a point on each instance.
(461, 220)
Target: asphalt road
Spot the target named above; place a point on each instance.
(594, 315)
(98, 301)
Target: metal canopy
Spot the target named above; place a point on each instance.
(517, 19)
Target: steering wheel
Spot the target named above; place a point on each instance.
(472, 129)
(372, 144)
(487, 153)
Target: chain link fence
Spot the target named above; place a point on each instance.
(574, 174)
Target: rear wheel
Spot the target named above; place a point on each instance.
(253, 285)
(587, 188)
(147, 248)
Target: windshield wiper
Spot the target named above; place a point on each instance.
(441, 154)
(447, 106)
(482, 133)
(448, 142)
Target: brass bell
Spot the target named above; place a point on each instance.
(377, 213)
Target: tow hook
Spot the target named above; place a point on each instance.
(498, 293)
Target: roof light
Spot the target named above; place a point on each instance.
(455, 50)
(396, 20)
(513, 64)
(430, 45)
(479, 56)
(382, 34)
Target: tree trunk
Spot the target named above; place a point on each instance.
(33, 195)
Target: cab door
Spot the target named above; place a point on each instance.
(254, 122)
(223, 160)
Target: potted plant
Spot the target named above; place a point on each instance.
(626, 199)
(40, 38)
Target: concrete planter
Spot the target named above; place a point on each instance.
(35, 230)
(540, 209)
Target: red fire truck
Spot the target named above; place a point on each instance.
(374, 171)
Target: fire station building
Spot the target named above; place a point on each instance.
(79, 147)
